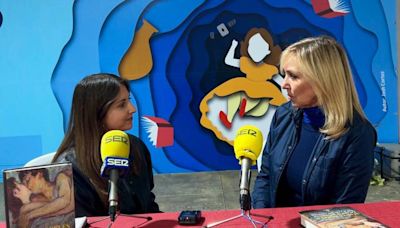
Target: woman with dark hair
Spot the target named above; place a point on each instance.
(100, 104)
(16, 197)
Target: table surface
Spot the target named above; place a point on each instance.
(386, 212)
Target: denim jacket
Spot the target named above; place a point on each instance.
(338, 171)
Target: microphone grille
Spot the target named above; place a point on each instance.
(114, 143)
(248, 141)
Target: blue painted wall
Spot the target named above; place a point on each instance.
(48, 46)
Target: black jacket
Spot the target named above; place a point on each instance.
(338, 171)
(134, 192)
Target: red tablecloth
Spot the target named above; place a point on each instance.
(386, 212)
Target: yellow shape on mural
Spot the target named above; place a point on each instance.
(138, 61)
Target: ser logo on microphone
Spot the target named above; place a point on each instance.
(114, 163)
(247, 132)
(116, 138)
(117, 162)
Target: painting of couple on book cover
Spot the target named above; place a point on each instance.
(39, 196)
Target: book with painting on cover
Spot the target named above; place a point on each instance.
(161, 132)
(337, 217)
(331, 8)
(39, 196)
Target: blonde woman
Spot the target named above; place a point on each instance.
(320, 145)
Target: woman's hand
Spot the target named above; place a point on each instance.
(234, 43)
(22, 192)
(230, 56)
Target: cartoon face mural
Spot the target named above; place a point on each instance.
(198, 69)
(258, 48)
(248, 96)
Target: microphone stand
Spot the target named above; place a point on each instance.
(113, 197)
(244, 214)
(245, 199)
(148, 218)
(113, 202)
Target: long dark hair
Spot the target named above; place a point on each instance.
(92, 98)
(14, 203)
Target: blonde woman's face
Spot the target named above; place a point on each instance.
(299, 90)
(119, 115)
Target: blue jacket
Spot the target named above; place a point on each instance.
(338, 171)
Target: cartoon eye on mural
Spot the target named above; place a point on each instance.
(250, 95)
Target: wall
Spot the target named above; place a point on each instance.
(173, 52)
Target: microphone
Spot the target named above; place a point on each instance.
(247, 146)
(114, 150)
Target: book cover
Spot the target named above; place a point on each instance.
(337, 217)
(161, 132)
(39, 196)
(330, 8)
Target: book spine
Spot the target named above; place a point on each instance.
(6, 200)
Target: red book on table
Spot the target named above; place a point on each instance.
(161, 132)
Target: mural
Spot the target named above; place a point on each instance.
(199, 69)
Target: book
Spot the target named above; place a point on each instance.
(337, 217)
(39, 196)
(161, 132)
(330, 8)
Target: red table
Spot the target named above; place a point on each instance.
(386, 212)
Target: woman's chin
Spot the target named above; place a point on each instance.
(126, 127)
(294, 104)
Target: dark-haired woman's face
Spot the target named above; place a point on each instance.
(22, 192)
(119, 115)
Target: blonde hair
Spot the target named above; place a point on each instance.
(324, 64)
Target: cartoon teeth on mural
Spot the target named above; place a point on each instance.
(255, 95)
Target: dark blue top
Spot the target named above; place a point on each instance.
(290, 186)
